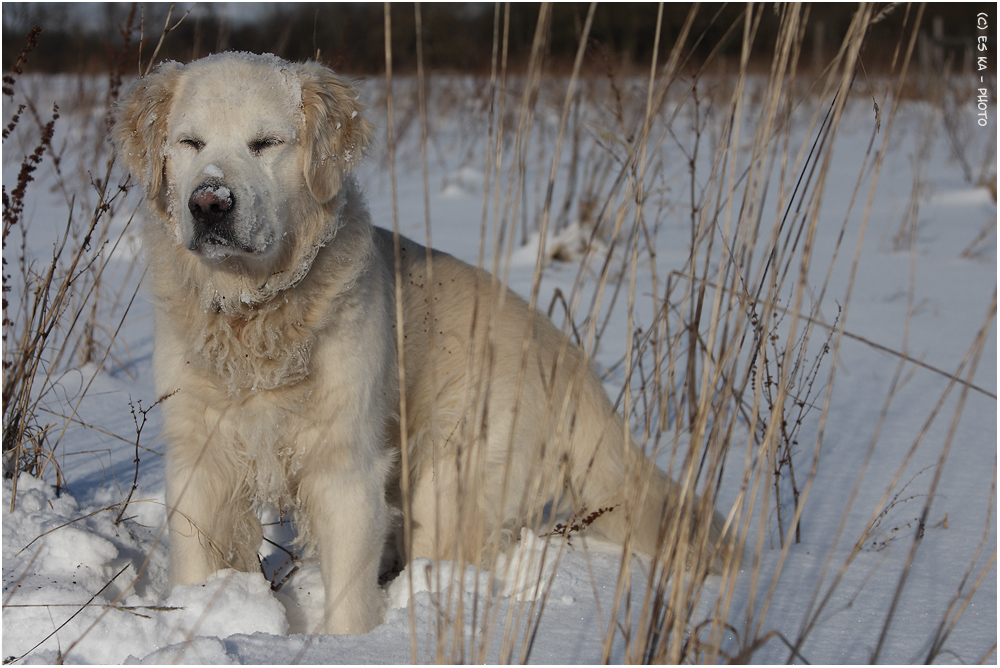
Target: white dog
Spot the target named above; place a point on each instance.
(276, 331)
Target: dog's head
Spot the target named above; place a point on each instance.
(228, 146)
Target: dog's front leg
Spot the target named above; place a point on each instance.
(211, 526)
(346, 519)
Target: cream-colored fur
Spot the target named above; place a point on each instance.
(275, 325)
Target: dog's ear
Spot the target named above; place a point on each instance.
(336, 132)
(140, 130)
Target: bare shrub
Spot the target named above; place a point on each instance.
(52, 305)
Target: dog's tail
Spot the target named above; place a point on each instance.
(622, 495)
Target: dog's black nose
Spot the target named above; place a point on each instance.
(210, 204)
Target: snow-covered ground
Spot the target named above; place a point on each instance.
(78, 585)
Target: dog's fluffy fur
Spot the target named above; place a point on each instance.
(276, 337)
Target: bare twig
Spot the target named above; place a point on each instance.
(167, 29)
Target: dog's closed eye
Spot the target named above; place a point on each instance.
(196, 144)
(258, 145)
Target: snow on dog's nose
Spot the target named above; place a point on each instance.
(210, 204)
(212, 209)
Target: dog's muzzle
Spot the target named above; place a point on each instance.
(211, 206)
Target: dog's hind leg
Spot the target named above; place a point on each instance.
(457, 513)
(636, 501)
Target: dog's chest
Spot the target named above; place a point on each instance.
(260, 353)
(268, 440)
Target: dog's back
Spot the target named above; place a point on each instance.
(505, 417)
